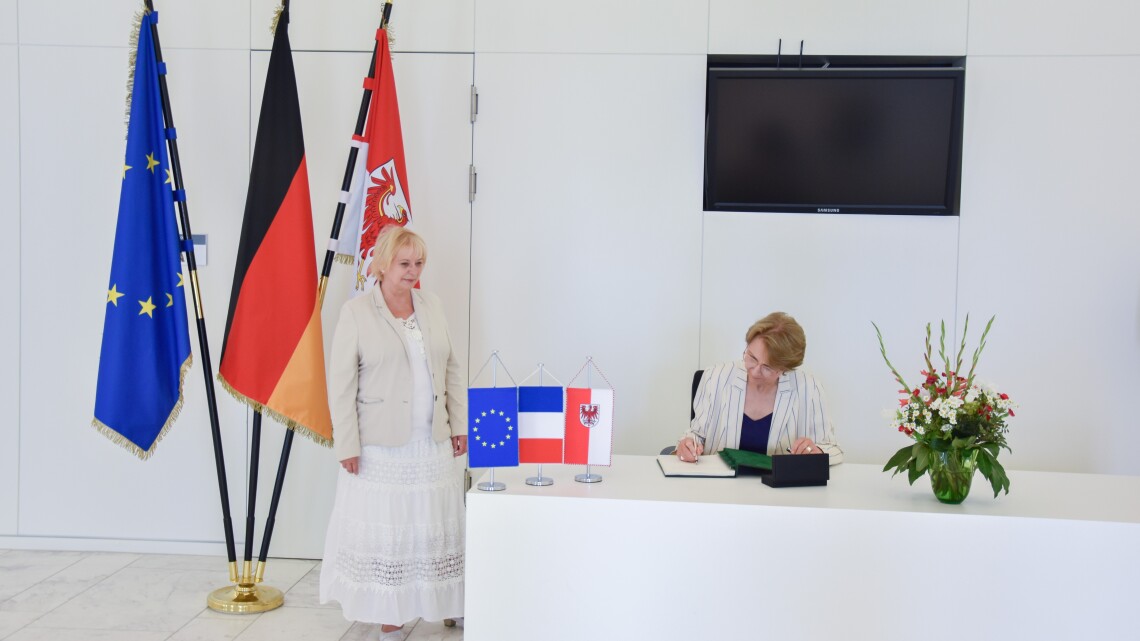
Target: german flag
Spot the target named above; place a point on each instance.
(273, 354)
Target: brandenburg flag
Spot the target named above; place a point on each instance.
(379, 196)
(589, 426)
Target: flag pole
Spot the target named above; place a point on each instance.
(192, 266)
(326, 269)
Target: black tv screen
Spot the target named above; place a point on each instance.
(862, 139)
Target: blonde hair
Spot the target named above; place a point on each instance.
(389, 243)
(783, 337)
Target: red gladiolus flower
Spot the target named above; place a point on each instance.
(1011, 413)
(903, 402)
(1004, 397)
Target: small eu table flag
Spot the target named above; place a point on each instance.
(146, 342)
(492, 422)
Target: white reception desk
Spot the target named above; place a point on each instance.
(641, 556)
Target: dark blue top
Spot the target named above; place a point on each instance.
(754, 434)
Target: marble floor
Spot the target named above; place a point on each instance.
(98, 596)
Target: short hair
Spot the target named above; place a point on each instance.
(389, 243)
(783, 337)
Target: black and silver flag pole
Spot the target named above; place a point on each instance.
(192, 267)
(326, 269)
(353, 152)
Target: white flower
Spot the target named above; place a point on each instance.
(973, 394)
(926, 416)
(920, 429)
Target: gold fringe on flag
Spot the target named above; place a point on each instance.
(120, 440)
(132, 60)
(276, 18)
(303, 430)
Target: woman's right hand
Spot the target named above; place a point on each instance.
(688, 450)
(351, 465)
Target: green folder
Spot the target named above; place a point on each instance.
(741, 458)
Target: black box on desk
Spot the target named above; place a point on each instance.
(798, 470)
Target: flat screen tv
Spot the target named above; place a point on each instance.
(847, 136)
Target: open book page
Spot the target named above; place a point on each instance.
(711, 465)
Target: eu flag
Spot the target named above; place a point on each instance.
(492, 427)
(146, 342)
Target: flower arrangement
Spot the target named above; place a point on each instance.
(957, 426)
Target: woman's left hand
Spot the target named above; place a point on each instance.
(458, 445)
(805, 445)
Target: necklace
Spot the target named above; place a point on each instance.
(409, 322)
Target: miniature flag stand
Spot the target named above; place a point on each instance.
(492, 420)
(542, 425)
(589, 425)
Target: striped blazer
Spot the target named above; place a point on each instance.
(799, 411)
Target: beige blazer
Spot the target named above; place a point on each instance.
(799, 411)
(370, 375)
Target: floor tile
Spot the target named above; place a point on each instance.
(67, 583)
(21, 569)
(49, 634)
(306, 592)
(435, 631)
(209, 629)
(371, 631)
(300, 624)
(136, 599)
(12, 621)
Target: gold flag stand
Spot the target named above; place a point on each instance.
(246, 596)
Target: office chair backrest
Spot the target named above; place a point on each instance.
(696, 383)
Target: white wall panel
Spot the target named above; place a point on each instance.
(433, 91)
(419, 25)
(213, 24)
(586, 226)
(839, 27)
(592, 26)
(835, 274)
(73, 481)
(1049, 235)
(9, 264)
(8, 21)
(1027, 27)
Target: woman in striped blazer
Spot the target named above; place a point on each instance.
(762, 403)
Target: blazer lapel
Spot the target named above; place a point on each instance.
(386, 314)
(423, 316)
(781, 414)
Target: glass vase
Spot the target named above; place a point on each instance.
(951, 473)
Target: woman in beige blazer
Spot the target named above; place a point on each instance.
(394, 548)
(762, 403)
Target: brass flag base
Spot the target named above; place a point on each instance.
(245, 598)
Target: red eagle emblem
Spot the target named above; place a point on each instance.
(589, 414)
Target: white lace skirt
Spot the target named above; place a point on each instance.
(394, 547)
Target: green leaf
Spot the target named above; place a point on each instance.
(900, 459)
(1003, 479)
(913, 474)
(921, 457)
(984, 465)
